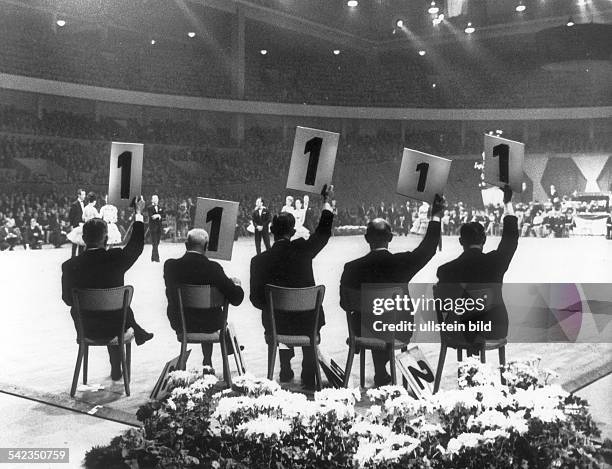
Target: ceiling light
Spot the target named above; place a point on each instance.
(263, 51)
(352, 3)
(433, 9)
(399, 23)
(422, 53)
(153, 42)
(469, 29)
(570, 22)
(61, 23)
(191, 34)
(336, 51)
(433, 85)
(520, 7)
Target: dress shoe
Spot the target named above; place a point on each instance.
(383, 380)
(286, 375)
(144, 337)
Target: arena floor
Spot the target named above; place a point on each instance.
(37, 338)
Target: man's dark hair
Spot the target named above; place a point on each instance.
(378, 231)
(79, 191)
(283, 225)
(94, 231)
(472, 233)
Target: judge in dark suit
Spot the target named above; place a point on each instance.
(289, 264)
(194, 268)
(156, 216)
(381, 266)
(75, 217)
(261, 222)
(99, 267)
(474, 267)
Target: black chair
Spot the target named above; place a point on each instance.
(458, 342)
(89, 302)
(366, 343)
(202, 297)
(282, 300)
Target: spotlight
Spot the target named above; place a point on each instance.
(61, 23)
(153, 42)
(263, 51)
(570, 22)
(191, 34)
(336, 51)
(520, 7)
(399, 23)
(499, 132)
(352, 3)
(433, 9)
(469, 29)
(433, 85)
(422, 53)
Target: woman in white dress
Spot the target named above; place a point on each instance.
(300, 216)
(109, 215)
(89, 212)
(288, 205)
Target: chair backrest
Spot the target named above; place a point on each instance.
(199, 297)
(294, 300)
(100, 301)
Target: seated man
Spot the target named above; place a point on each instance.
(289, 264)
(380, 266)
(34, 235)
(477, 268)
(194, 268)
(99, 267)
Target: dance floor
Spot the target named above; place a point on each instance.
(37, 338)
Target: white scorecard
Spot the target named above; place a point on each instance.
(414, 367)
(218, 218)
(312, 159)
(422, 175)
(125, 177)
(503, 162)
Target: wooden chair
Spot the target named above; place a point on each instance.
(202, 297)
(366, 343)
(280, 300)
(88, 302)
(456, 341)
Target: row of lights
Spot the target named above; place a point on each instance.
(265, 51)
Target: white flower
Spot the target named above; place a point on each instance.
(346, 396)
(265, 426)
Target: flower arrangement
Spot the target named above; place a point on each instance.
(527, 423)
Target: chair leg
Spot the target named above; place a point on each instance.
(441, 360)
(235, 349)
(502, 363)
(483, 356)
(128, 359)
(392, 365)
(182, 362)
(271, 359)
(77, 370)
(85, 362)
(126, 376)
(317, 367)
(227, 376)
(349, 364)
(362, 358)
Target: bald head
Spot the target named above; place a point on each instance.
(378, 233)
(197, 240)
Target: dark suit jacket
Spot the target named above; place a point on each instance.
(75, 215)
(384, 267)
(476, 267)
(289, 264)
(101, 268)
(155, 224)
(196, 269)
(263, 219)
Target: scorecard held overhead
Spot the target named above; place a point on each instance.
(422, 175)
(125, 175)
(503, 162)
(312, 160)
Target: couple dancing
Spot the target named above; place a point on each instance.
(88, 212)
(300, 213)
